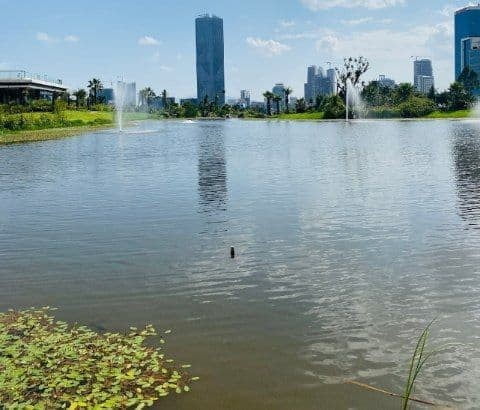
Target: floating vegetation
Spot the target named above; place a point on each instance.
(47, 364)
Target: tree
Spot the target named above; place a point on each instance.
(190, 110)
(352, 70)
(333, 107)
(459, 98)
(94, 85)
(269, 96)
(403, 92)
(469, 79)
(432, 95)
(318, 102)
(416, 107)
(277, 99)
(80, 95)
(287, 92)
(164, 99)
(301, 105)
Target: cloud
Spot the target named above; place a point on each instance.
(148, 41)
(166, 68)
(316, 5)
(268, 48)
(46, 38)
(357, 21)
(286, 23)
(71, 39)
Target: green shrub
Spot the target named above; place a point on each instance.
(416, 107)
(46, 364)
(333, 107)
(384, 112)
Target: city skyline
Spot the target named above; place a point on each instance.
(293, 35)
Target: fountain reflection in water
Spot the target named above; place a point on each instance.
(354, 106)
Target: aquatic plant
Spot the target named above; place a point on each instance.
(47, 364)
(419, 358)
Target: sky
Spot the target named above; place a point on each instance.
(152, 42)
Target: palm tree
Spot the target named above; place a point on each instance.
(287, 92)
(269, 96)
(277, 99)
(80, 95)
(95, 85)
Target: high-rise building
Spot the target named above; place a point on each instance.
(423, 74)
(245, 98)
(318, 83)
(210, 59)
(467, 27)
(279, 91)
(386, 82)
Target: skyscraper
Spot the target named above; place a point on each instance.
(423, 74)
(210, 59)
(318, 83)
(467, 27)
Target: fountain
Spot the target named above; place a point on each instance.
(354, 106)
(120, 104)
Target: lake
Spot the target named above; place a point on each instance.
(349, 239)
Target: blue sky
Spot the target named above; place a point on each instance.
(153, 42)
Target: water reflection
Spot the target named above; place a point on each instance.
(212, 169)
(466, 153)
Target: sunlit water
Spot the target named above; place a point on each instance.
(349, 239)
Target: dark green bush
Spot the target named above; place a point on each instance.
(416, 107)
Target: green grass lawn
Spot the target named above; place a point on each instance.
(301, 116)
(452, 114)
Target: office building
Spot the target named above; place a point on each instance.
(319, 84)
(106, 95)
(210, 59)
(386, 82)
(245, 98)
(423, 74)
(20, 87)
(467, 30)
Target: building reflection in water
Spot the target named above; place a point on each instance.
(466, 153)
(212, 168)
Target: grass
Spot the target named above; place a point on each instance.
(72, 122)
(46, 364)
(301, 116)
(450, 114)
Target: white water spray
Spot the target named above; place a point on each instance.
(354, 105)
(120, 103)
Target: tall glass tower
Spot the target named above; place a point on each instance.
(210, 59)
(467, 27)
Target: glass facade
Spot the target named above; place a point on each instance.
(467, 25)
(210, 59)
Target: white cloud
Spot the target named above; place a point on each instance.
(71, 39)
(268, 48)
(286, 23)
(166, 68)
(148, 41)
(357, 21)
(45, 37)
(316, 5)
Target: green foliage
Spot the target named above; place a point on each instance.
(416, 107)
(47, 364)
(459, 98)
(403, 92)
(333, 107)
(190, 110)
(384, 111)
(469, 79)
(300, 105)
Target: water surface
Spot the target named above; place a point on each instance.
(349, 239)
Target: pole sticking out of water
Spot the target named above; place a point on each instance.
(347, 83)
(232, 252)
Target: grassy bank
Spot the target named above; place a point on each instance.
(302, 116)
(36, 126)
(435, 115)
